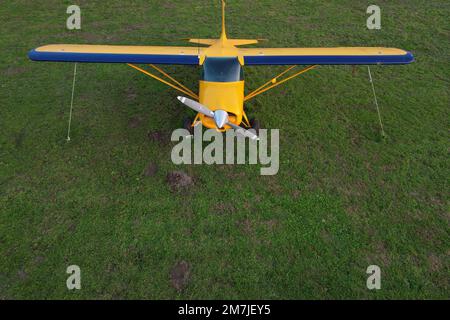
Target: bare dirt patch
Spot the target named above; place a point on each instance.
(12, 71)
(72, 227)
(19, 138)
(246, 226)
(381, 254)
(271, 224)
(274, 187)
(132, 27)
(179, 275)
(352, 210)
(223, 208)
(434, 262)
(97, 37)
(292, 20)
(326, 236)
(39, 259)
(158, 136)
(428, 237)
(22, 274)
(151, 170)
(168, 5)
(134, 122)
(178, 180)
(131, 93)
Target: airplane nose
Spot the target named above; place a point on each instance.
(221, 118)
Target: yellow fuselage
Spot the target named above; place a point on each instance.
(227, 96)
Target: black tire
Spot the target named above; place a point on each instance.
(187, 124)
(255, 124)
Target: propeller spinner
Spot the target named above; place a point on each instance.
(220, 118)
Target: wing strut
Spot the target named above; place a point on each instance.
(265, 87)
(71, 101)
(177, 86)
(383, 134)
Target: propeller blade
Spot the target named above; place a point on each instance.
(220, 117)
(244, 132)
(194, 105)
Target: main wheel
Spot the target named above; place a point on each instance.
(255, 124)
(187, 124)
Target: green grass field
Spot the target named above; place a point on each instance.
(343, 199)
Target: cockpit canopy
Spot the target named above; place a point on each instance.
(226, 69)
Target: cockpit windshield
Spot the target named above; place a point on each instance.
(222, 70)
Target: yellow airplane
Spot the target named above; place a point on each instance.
(221, 98)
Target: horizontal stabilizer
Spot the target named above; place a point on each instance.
(242, 42)
(233, 42)
(208, 42)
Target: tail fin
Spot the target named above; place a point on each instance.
(224, 30)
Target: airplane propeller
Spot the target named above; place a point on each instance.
(220, 117)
